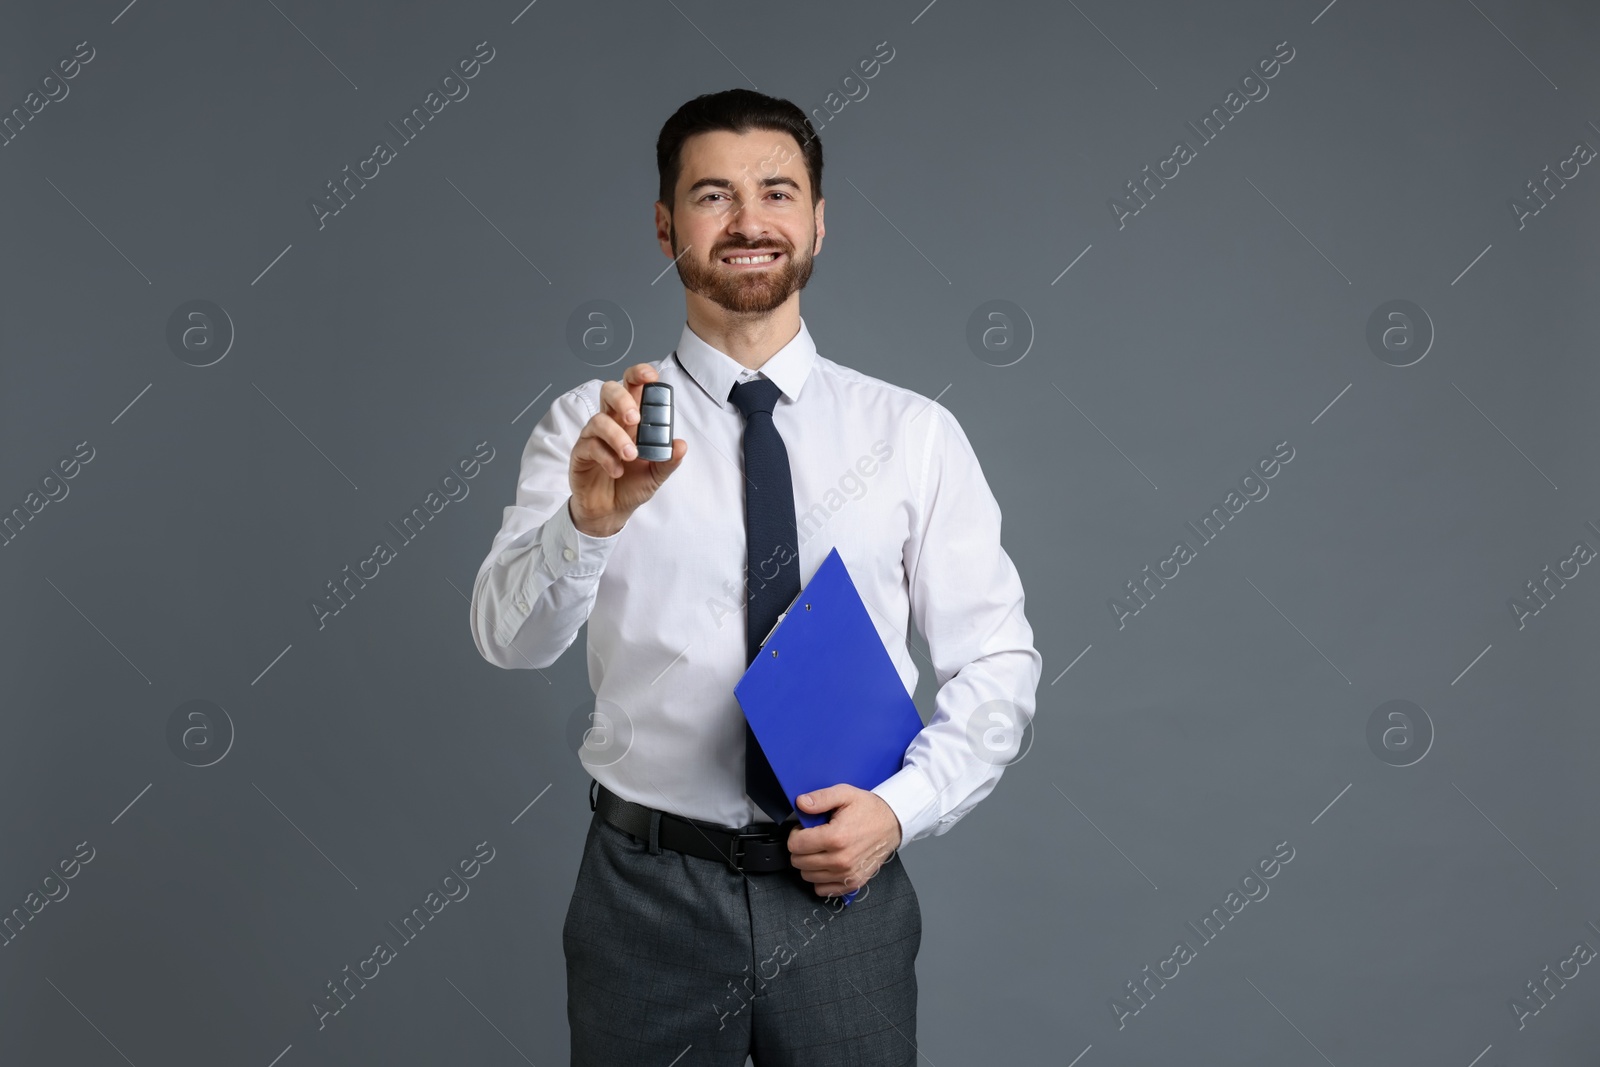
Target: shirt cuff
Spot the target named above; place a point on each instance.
(563, 552)
(569, 552)
(913, 800)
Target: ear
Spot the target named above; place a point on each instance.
(664, 228)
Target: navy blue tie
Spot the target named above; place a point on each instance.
(772, 559)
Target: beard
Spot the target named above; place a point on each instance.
(744, 291)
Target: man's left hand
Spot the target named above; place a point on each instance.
(842, 854)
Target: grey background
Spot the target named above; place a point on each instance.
(1228, 315)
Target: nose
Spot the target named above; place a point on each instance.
(749, 226)
(745, 214)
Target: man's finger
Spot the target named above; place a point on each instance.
(811, 841)
(636, 377)
(622, 398)
(619, 400)
(818, 861)
(604, 428)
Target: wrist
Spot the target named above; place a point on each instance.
(592, 529)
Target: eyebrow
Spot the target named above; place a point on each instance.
(724, 183)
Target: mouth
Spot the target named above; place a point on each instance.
(752, 260)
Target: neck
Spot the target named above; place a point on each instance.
(750, 338)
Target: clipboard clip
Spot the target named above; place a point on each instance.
(781, 616)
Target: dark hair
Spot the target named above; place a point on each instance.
(738, 111)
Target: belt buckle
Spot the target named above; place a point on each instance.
(735, 851)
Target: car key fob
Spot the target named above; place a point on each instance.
(655, 422)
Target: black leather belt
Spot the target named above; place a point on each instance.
(758, 852)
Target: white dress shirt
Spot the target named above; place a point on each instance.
(884, 474)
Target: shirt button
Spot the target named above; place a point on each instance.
(522, 605)
(568, 555)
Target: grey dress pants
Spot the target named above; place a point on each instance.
(678, 961)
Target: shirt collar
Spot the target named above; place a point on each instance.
(717, 372)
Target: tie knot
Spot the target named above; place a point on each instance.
(757, 394)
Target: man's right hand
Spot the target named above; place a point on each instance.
(609, 481)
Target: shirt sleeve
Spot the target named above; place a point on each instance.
(967, 601)
(538, 584)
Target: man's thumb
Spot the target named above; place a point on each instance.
(663, 468)
(819, 800)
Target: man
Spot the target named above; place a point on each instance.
(706, 925)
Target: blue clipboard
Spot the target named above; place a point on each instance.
(823, 697)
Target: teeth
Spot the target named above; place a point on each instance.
(769, 257)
